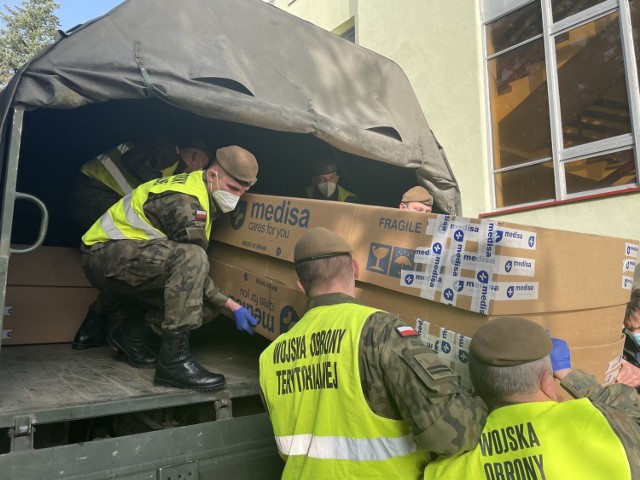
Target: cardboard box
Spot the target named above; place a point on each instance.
(485, 266)
(266, 287)
(44, 314)
(47, 266)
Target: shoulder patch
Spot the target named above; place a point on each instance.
(406, 331)
(432, 364)
(201, 215)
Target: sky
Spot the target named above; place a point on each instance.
(74, 12)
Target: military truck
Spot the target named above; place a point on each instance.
(232, 72)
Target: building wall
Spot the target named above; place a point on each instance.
(439, 46)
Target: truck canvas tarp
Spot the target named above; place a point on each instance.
(232, 72)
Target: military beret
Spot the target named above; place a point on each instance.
(417, 194)
(507, 341)
(322, 166)
(320, 242)
(239, 163)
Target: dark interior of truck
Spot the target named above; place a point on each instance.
(55, 143)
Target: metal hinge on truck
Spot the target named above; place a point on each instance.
(22, 433)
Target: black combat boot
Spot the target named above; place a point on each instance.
(131, 340)
(92, 332)
(177, 368)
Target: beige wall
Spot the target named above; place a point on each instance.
(438, 45)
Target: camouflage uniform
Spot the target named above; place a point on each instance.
(170, 275)
(403, 379)
(620, 405)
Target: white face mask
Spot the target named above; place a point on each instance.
(634, 336)
(326, 188)
(226, 201)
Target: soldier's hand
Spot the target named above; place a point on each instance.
(560, 355)
(244, 320)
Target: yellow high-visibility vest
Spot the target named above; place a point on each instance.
(127, 220)
(107, 169)
(541, 440)
(323, 426)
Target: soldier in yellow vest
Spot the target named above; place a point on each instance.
(150, 248)
(106, 178)
(529, 434)
(351, 390)
(417, 199)
(324, 183)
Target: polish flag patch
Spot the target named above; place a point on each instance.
(201, 215)
(406, 331)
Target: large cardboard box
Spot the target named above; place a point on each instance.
(485, 266)
(266, 287)
(47, 266)
(34, 314)
(47, 297)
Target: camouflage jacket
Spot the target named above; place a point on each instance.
(403, 379)
(175, 214)
(620, 405)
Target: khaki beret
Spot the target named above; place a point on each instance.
(320, 242)
(239, 163)
(322, 166)
(417, 194)
(507, 341)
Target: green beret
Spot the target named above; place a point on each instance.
(507, 341)
(322, 166)
(239, 163)
(417, 194)
(320, 242)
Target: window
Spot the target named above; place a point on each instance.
(563, 119)
(350, 35)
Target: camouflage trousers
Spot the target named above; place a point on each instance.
(170, 278)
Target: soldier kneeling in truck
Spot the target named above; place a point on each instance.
(150, 247)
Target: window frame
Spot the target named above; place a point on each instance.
(560, 155)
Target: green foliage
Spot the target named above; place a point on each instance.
(27, 28)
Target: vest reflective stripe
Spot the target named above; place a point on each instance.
(106, 169)
(116, 174)
(127, 220)
(344, 448)
(114, 233)
(323, 425)
(550, 440)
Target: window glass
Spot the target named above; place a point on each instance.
(592, 85)
(514, 28)
(565, 8)
(350, 35)
(634, 8)
(604, 171)
(519, 106)
(525, 185)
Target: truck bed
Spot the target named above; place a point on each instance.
(54, 382)
(67, 413)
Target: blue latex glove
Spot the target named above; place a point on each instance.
(560, 355)
(244, 320)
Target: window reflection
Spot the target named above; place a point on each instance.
(514, 28)
(565, 8)
(605, 171)
(593, 90)
(519, 106)
(525, 185)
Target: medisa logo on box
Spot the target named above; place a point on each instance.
(631, 250)
(627, 282)
(628, 266)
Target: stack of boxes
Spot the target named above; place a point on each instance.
(445, 275)
(47, 297)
